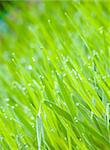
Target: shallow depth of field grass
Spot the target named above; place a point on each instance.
(55, 76)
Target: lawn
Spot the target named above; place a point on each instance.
(55, 75)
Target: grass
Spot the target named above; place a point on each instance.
(55, 76)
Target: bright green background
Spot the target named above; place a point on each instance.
(55, 75)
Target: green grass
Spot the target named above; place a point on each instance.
(55, 76)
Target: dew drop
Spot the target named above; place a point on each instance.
(77, 104)
(95, 53)
(92, 114)
(16, 105)
(89, 57)
(29, 67)
(32, 118)
(74, 72)
(6, 116)
(65, 13)
(75, 119)
(13, 107)
(13, 54)
(64, 74)
(49, 20)
(89, 79)
(65, 138)
(29, 84)
(104, 77)
(7, 104)
(33, 59)
(1, 138)
(50, 105)
(101, 30)
(7, 99)
(13, 60)
(26, 146)
(52, 130)
(64, 104)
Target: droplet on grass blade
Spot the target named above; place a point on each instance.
(104, 78)
(49, 20)
(13, 107)
(32, 118)
(64, 103)
(89, 57)
(6, 116)
(29, 67)
(1, 138)
(64, 74)
(77, 104)
(33, 59)
(16, 105)
(65, 138)
(7, 105)
(65, 13)
(74, 71)
(7, 99)
(93, 101)
(101, 30)
(92, 114)
(29, 84)
(89, 79)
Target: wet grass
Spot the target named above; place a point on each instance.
(55, 76)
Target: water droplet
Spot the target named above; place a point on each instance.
(29, 84)
(75, 119)
(104, 77)
(92, 114)
(101, 30)
(64, 74)
(7, 104)
(6, 116)
(3, 110)
(93, 101)
(33, 59)
(50, 105)
(49, 20)
(1, 138)
(26, 146)
(23, 88)
(29, 67)
(16, 105)
(52, 130)
(64, 104)
(89, 79)
(65, 13)
(13, 107)
(32, 118)
(89, 57)
(32, 124)
(7, 99)
(80, 77)
(77, 104)
(13, 54)
(66, 59)
(90, 67)
(74, 72)
(65, 138)
(95, 53)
